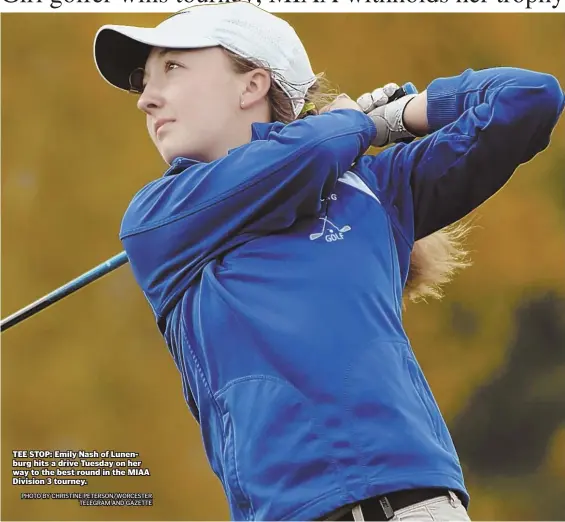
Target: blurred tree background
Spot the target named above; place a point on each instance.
(92, 372)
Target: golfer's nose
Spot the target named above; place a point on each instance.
(150, 99)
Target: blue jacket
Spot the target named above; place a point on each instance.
(276, 275)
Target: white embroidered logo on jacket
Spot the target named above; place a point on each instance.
(335, 232)
(331, 234)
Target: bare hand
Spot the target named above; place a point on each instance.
(341, 102)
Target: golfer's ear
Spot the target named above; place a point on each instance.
(257, 85)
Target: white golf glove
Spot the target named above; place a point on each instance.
(386, 114)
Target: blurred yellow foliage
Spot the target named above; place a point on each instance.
(92, 372)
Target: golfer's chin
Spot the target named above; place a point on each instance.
(170, 151)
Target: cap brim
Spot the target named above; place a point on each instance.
(120, 49)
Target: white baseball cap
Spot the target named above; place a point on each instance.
(241, 27)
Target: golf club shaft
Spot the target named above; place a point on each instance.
(113, 263)
(65, 290)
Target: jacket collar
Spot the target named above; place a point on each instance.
(178, 165)
(260, 131)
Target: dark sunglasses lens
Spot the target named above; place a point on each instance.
(136, 80)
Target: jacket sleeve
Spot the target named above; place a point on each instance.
(483, 124)
(177, 224)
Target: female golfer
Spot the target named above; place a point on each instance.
(274, 255)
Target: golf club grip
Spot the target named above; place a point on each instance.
(407, 88)
(65, 290)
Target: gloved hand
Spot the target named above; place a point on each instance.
(387, 114)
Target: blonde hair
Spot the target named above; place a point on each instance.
(434, 259)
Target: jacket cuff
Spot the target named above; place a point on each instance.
(442, 102)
